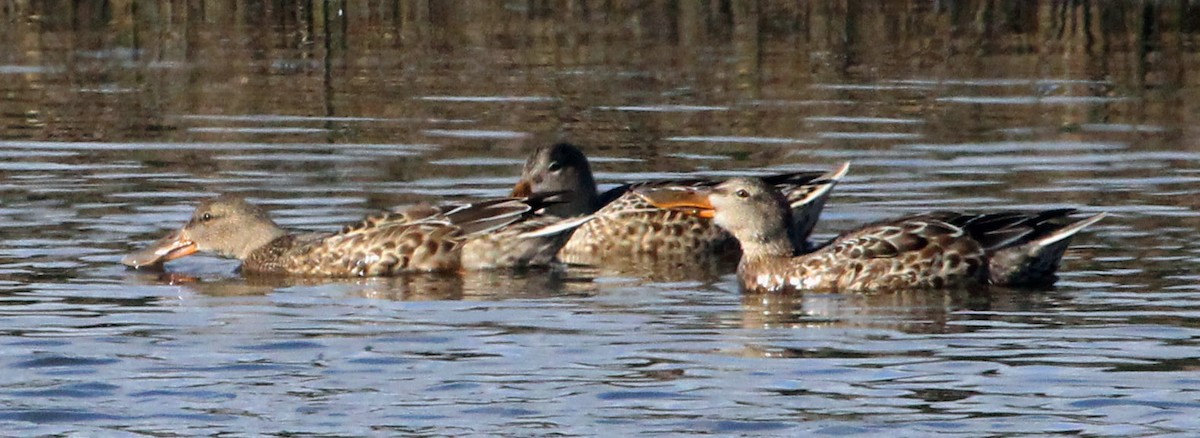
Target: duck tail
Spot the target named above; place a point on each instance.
(807, 201)
(1034, 263)
(557, 227)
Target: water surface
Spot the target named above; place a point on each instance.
(115, 121)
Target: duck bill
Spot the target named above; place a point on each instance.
(691, 201)
(523, 189)
(171, 247)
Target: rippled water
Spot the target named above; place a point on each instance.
(105, 147)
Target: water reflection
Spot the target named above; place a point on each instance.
(488, 285)
(118, 114)
(701, 268)
(922, 311)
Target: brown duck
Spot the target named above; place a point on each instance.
(933, 250)
(628, 225)
(500, 233)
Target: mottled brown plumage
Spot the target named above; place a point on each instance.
(933, 250)
(628, 226)
(497, 233)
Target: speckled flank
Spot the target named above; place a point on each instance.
(905, 254)
(627, 226)
(631, 226)
(491, 234)
(511, 248)
(932, 250)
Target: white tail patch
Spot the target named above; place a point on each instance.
(1068, 231)
(837, 174)
(825, 184)
(557, 227)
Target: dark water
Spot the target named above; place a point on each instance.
(116, 119)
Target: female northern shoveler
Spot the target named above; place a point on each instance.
(628, 225)
(498, 233)
(930, 250)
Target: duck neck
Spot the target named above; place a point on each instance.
(582, 200)
(269, 257)
(769, 273)
(261, 237)
(767, 244)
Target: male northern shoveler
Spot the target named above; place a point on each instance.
(628, 225)
(498, 233)
(932, 250)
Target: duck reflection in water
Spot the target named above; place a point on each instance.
(485, 285)
(860, 318)
(910, 311)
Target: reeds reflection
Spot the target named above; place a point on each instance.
(124, 69)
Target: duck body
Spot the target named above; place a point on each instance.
(908, 254)
(632, 227)
(931, 250)
(626, 225)
(503, 233)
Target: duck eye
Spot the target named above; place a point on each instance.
(555, 166)
(742, 193)
(206, 217)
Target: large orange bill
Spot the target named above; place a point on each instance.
(691, 201)
(523, 189)
(168, 248)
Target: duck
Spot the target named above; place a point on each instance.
(508, 232)
(922, 251)
(626, 225)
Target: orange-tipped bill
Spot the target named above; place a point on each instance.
(689, 200)
(168, 248)
(523, 189)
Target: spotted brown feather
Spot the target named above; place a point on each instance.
(933, 250)
(500, 233)
(627, 226)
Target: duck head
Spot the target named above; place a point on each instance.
(751, 210)
(560, 168)
(227, 226)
